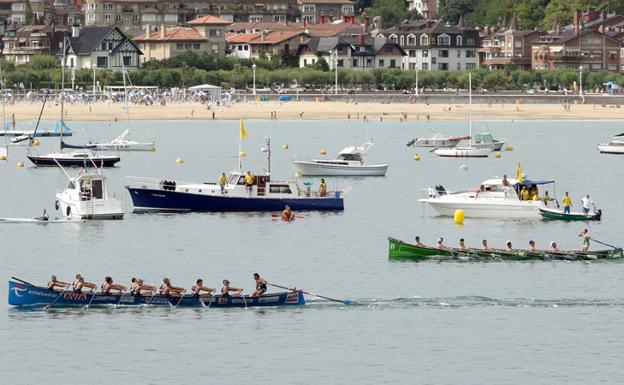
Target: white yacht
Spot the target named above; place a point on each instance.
(436, 141)
(120, 143)
(87, 197)
(486, 140)
(493, 199)
(349, 162)
(616, 146)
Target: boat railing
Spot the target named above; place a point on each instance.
(154, 183)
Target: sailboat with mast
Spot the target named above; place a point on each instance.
(466, 148)
(79, 158)
(4, 150)
(122, 142)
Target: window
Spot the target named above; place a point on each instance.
(196, 46)
(188, 46)
(424, 40)
(214, 48)
(392, 63)
(354, 63)
(471, 53)
(388, 49)
(458, 53)
(118, 19)
(459, 41)
(108, 6)
(92, 6)
(425, 66)
(135, 18)
(471, 66)
(402, 40)
(425, 53)
(149, 17)
(444, 40)
(92, 17)
(347, 9)
(444, 53)
(381, 62)
(279, 189)
(18, 7)
(171, 17)
(102, 62)
(214, 33)
(470, 41)
(108, 17)
(458, 66)
(309, 8)
(310, 18)
(412, 53)
(305, 62)
(179, 46)
(434, 60)
(127, 60)
(412, 66)
(340, 62)
(279, 18)
(443, 66)
(393, 38)
(518, 43)
(152, 46)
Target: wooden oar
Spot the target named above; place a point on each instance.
(93, 293)
(346, 302)
(180, 300)
(59, 296)
(278, 216)
(606, 244)
(22, 281)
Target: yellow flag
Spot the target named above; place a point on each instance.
(243, 133)
(519, 172)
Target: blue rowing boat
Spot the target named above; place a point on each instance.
(24, 295)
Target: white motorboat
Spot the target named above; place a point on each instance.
(87, 197)
(493, 199)
(436, 141)
(486, 140)
(349, 162)
(616, 146)
(120, 143)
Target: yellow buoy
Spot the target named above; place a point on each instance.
(20, 164)
(285, 146)
(463, 167)
(416, 157)
(323, 152)
(2, 157)
(36, 142)
(509, 148)
(498, 154)
(242, 154)
(458, 218)
(179, 161)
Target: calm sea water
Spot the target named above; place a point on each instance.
(427, 323)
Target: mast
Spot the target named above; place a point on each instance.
(6, 139)
(268, 142)
(62, 90)
(470, 104)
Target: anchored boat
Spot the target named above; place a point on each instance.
(351, 161)
(572, 216)
(436, 141)
(616, 146)
(400, 250)
(24, 295)
(120, 143)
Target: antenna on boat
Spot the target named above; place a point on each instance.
(62, 123)
(470, 104)
(268, 152)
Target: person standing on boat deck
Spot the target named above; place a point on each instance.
(547, 198)
(53, 282)
(108, 285)
(167, 289)
(222, 182)
(198, 287)
(567, 203)
(249, 181)
(288, 214)
(505, 182)
(418, 243)
(485, 246)
(226, 289)
(462, 245)
(585, 235)
(587, 203)
(261, 285)
(322, 188)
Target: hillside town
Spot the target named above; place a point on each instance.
(116, 34)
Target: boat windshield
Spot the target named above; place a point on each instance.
(353, 157)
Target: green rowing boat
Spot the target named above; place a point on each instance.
(399, 250)
(559, 214)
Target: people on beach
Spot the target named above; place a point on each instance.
(222, 182)
(586, 202)
(261, 285)
(585, 235)
(567, 203)
(198, 287)
(227, 289)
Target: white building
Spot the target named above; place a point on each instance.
(102, 48)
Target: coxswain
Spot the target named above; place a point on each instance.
(322, 188)
(462, 245)
(261, 285)
(585, 235)
(288, 214)
(418, 242)
(53, 283)
(222, 182)
(108, 285)
(198, 287)
(532, 246)
(553, 247)
(485, 246)
(227, 289)
(167, 288)
(508, 247)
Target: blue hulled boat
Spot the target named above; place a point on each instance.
(24, 295)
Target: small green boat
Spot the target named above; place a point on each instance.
(574, 216)
(399, 250)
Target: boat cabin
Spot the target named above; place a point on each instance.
(532, 188)
(87, 187)
(483, 139)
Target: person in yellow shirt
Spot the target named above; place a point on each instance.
(524, 194)
(567, 203)
(222, 182)
(249, 181)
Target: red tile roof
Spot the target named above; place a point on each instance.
(173, 34)
(319, 30)
(209, 20)
(273, 37)
(324, 1)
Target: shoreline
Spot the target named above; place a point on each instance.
(310, 110)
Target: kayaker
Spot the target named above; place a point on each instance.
(567, 203)
(44, 216)
(288, 214)
(585, 235)
(198, 287)
(227, 289)
(261, 285)
(586, 201)
(249, 181)
(322, 188)
(553, 247)
(532, 246)
(485, 246)
(418, 242)
(108, 285)
(167, 288)
(222, 182)
(462, 245)
(53, 282)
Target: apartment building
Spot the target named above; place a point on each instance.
(327, 11)
(510, 45)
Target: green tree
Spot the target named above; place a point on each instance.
(42, 62)
(451, 10)
(392, 12)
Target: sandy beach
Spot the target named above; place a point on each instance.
(26, 111)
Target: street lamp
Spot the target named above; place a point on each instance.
(253, 69)
(336, 68)
(581, 80)
(94, 66)
(416, 68)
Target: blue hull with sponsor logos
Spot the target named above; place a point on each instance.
(146, 199)
(24, 295)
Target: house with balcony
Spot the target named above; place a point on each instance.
(358, 53)
(265, 44)
(436, 45)
(327, 11)
(21, 44)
